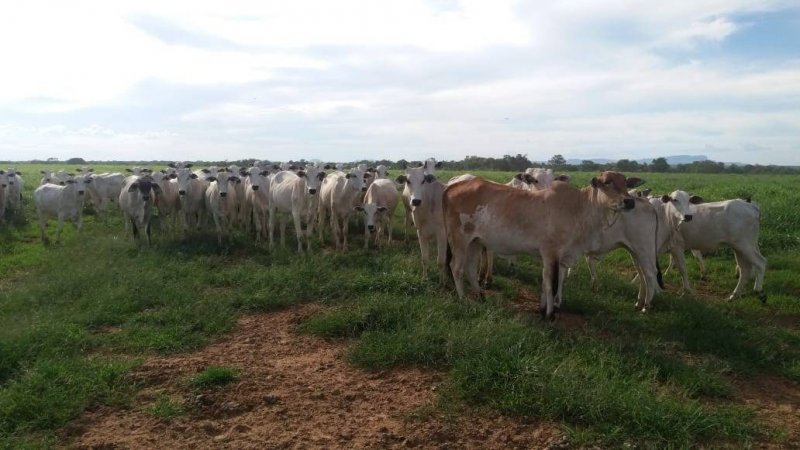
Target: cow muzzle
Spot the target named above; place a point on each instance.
(416, 202)
(371, 228)
(80, 192)
(687, 218)
(10, 183)
(223, 194)
(146, 198)
(255, 188)
(628, 203)
(364, 189)
(312, 191)
(181, 192)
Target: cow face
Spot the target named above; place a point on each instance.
(11, 176)
(373, 212)
(381, 173)
(678, 205)
(185, 177)
(224, 180)
(3, 180)
(417, 181)
(145, 187)
(258, 178)
(314, 176)
(356, 179)
(614, 187)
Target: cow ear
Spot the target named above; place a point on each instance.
(518, 177)
(263, 173)
(430, 178)
(163, 171)
(210, 179)
(438, 165)
(42, 172)
(133, 187)
(401, 179)
(88, 180)
(564, 178)
(371, 169)
(71, 181)
(193, 176)
(633, 182)
(206, 171)
(387, 173)
(327, 167)
(301, 174)
(696, 200)
(156, 188)
(530, 179)
(61, 183)
(91, 170)
(349, 175)
(172, 176)
(382, 208)
(359, 208)
(129, 170)
(596, 183)
(188, 166)
(171, 165)
(367, 175)
(665, 199)
(322, 175)
(243, 173)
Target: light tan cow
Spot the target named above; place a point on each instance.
(379, 205)
(560, 224)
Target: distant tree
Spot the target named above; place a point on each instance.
(557, 160)
(659, 165)
(589, 166)
(52, 159)
(76, 161)
(626, 165)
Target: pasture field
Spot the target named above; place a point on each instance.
(77, 318)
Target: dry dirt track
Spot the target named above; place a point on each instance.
(295, 391)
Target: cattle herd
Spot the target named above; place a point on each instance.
(469, 219)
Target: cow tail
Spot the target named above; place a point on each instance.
(554, 278)
(659, 275)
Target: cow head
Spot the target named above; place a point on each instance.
(314, 176)
(614, 187)
(185, 177)
(373, 212)
(356, 179)
(145, 186)
(257, 178)
(223, 179)
(417, 181)
(678, 206)
(3, 179)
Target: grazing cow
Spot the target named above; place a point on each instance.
(425, 199)
(256, 202)
(136, 202)
(379, 205)
(62, 202)
(337, 196)
(695, 225)
(167, 201)
(14, 191)
(293, 194)
(221, 202)
(191, 195)
(560, 223)
(637, 231)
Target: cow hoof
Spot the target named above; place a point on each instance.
(763, 297)
(733, 297)
(644, 310)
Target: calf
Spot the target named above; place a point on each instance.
(337, 196)
(560, 223)
(379, 205)
(293, 194)
(221, 202)
(62, 202)
(136, 201)
(694, 225)
(425, 200)
(256, 202)
(191, 196)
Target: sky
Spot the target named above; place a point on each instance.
(347, 80)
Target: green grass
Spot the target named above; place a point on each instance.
(213, 376)
(75, 317)
(167, 408)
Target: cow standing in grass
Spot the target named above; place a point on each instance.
(136, 201)
(292, 194)
(221, 201)
(379, 206)
(62, 202)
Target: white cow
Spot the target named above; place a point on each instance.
(542, 178)
(221, 202)
(136, 202)
(425, 199)
(694, 225)
(381, 172)
(3, 195)
(167, 201)
(14, 191)
(256, 202)
(293, 194)
(379, 206)
(191, 195)
(337, 196)
(105, 189)
(54, 201)
(53, 177)
(429, 167)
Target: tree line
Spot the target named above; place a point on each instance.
(508, 163)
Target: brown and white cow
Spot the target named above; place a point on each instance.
(560, 224)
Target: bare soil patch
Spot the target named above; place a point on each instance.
(776, 402)
(295, 391)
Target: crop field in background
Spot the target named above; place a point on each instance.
(609, 375)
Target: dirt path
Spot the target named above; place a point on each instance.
(295, 391)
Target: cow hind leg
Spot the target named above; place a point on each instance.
(473, 266)
(745, 273)
(550, 269)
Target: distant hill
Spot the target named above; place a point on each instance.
(672, 160)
